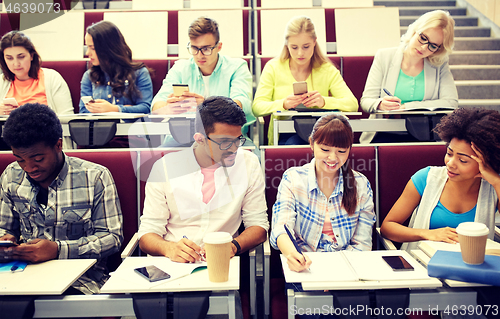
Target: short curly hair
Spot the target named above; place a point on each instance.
(477, 125)
(31, 124)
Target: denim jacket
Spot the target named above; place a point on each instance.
(142, 103)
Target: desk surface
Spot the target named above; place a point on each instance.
(52, 277)
(377, 269)
(124, 280)
(314, 113)
(415, 112)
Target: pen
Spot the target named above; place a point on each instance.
(14, 267)
(294, 242)
(387, 92)
(201, 256)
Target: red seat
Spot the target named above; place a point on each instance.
(397, 163)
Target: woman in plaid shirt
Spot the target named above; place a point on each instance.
(326, 205)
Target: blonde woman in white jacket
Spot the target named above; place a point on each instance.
(415, 74)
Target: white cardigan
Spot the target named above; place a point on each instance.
(440, 89)
(436, 179)
(56, 90)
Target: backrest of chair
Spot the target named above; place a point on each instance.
(120, 164)
(397, 163)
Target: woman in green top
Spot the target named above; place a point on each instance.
(416, 73)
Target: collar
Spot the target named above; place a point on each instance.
(313, 182)
(217, 66)
(57, 182)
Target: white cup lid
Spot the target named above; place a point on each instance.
(472, 229)
(217, 238)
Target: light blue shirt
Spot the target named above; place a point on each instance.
(302, 206)
(441, 216)
(230, 78)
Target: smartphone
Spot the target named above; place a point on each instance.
(7, 243)
(10, 101)
(299, 88)
(397, 263)
(87, 99)
(180, 88)
(152, 273)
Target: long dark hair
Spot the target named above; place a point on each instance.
(335, 130)
(115, 60)
(19, 39)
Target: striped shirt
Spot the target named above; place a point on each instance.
(302, 206)
(82, 214)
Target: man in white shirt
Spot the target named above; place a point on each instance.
(212, 186)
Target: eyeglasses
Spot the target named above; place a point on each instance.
(227, 144)
(422, 38)
(204, 50)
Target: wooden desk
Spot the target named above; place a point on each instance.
(283, 120)
(52, 277)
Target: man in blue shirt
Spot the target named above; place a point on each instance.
(207, 73)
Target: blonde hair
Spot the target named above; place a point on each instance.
(296, 26)
(434, 19)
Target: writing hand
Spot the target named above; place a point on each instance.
(184, 251)
(298, 262)
(389, 103)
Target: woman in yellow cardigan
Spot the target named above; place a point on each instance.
(301, 60)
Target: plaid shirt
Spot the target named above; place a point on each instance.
(82, 215)
(301, 205)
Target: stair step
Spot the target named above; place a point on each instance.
(482, 89)
(460, 21)
(464, 31)
(418, 11)
(413, 3)
(475, 72)
(475, 57)
(491, 104)
(469, 43)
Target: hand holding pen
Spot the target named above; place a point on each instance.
(389, 102)
(296, 260)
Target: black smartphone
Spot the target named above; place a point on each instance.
(397, 263)
(7, 243)
(152, 273)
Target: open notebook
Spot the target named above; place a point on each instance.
(174, 269)
(353, 266)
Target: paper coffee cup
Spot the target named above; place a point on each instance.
(472, 237)
(218, 254)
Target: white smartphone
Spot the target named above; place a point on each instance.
(87, 99)
(10, 101)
